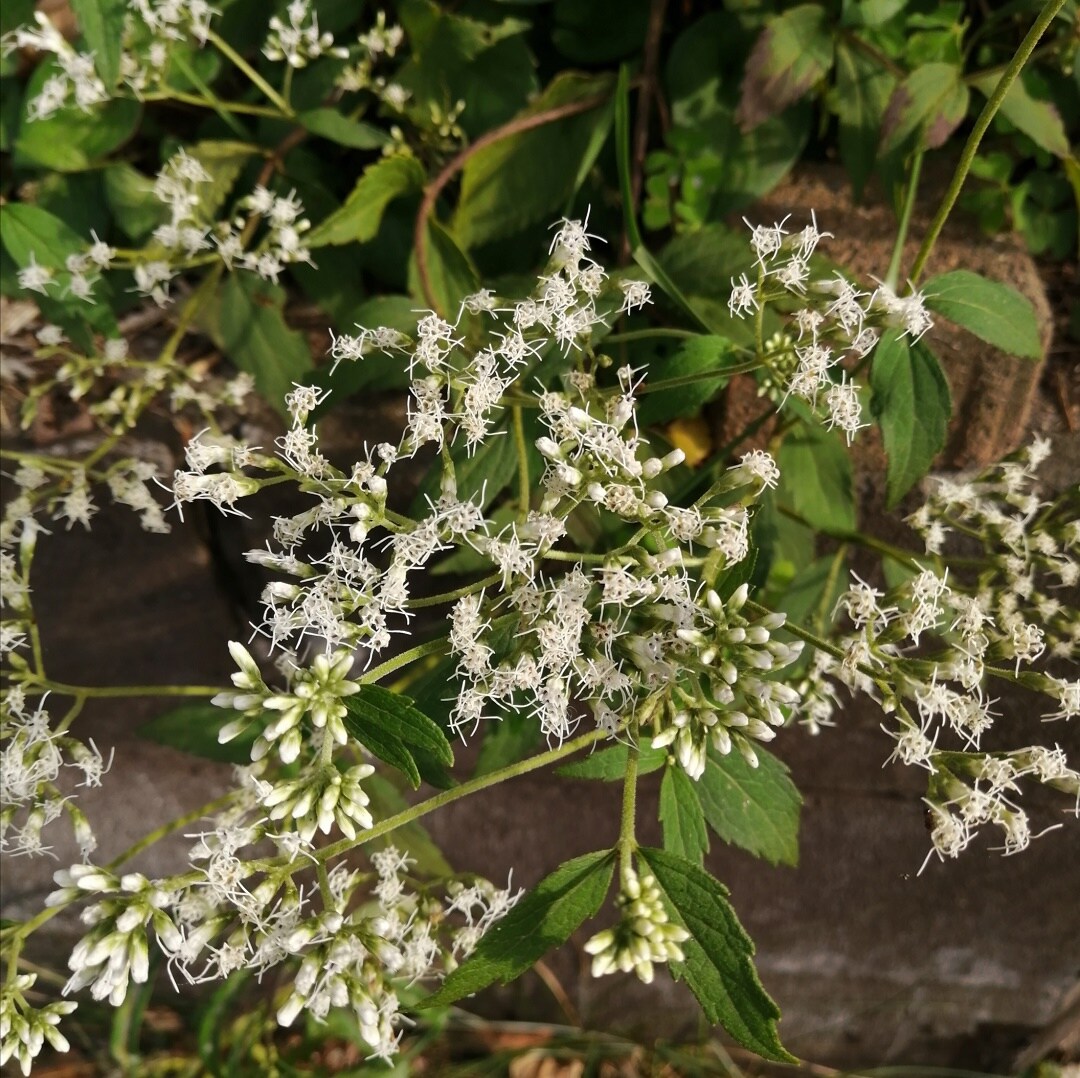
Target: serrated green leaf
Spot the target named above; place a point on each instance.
(719, 966)
(794, 51)
(102, 26)
(755, 808)
(609, 764)
(245, 319)
(694, 358)
(383, 744)
(542, 919)
(344, 130)
(396, 731)
(360, 215)
(1039, 120)
(194, 728)
(863, 88)
(994, 312)
(815, 477)
(681, 815)
(397, 715)
(223, 161)
(933, 99)
(912, 405)
(520, 180)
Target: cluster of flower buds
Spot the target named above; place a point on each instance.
(25, 1029)
(723, 698)
(643, 937)
(315, 692)
(115, 952)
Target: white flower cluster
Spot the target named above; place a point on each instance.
(928, 648)
(643, 936)
(152, 29)
(366, 936)
(836, 320)
(298, 39)
(1031, 547)
(74, 81)
(377, 45)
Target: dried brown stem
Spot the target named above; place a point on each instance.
(649, 86)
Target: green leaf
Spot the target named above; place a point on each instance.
(542, 919)
(815, 477)
(506, 742)
(994, 312)
(794, 51)
(912, 405)
(27, 230)
(681, 815)
(393, 729)
(194, 728)
(360, 215)
(130, 195)
(224, 161)
(71, 140)
(601, 31)
(1039, 120)
(755, 808)
(453, 57)
(609, 764)
(719, 966)
(102, 25)
(451, 276)
(697, 357)
(933, 99)
(861, 96)
(814, 591)
(344, 130)
(245, 319)
(525, 178)
(397, 715)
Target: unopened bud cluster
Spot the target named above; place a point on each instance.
(643, 937)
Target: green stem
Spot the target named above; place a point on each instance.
(524, 490)
(1008, 77)
(109, 692)
(431, 647)
(458, 593)
(231, 54)
(892, 277)
(238, 107)
(447, 797)
(648, 335)
(627, 841)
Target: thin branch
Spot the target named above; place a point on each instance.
(649, 86)
(456, 164)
